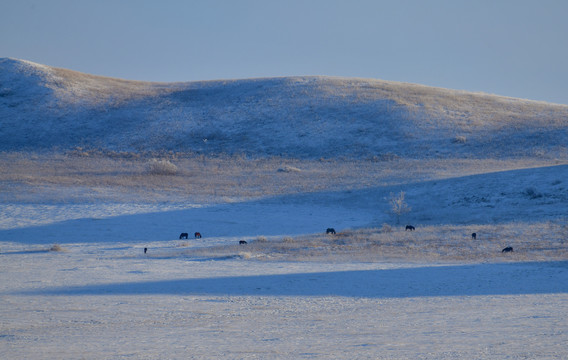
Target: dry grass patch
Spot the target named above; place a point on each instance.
(289, 169)
(261, 239)
(162, 167)
(194, 178)
(447, 243)
(56, 248)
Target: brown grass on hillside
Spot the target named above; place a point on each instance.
(124, 176)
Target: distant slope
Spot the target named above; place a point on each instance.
(45, 108)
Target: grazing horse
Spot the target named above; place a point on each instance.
(410, 227)
(197, 235)
(242, 242)
(474, 236)
(507, 249)
(330, 231)
(183, 236)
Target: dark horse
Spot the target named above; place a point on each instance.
(197, 235)
(507, 249)
(410, 227)
(330, 231)
(474, 236)
(242, 242)
(183, 236)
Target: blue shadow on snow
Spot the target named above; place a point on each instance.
(454, 280)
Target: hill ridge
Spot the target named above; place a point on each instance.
(45, 108)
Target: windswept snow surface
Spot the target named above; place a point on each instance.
(94, 301)
(103, 298)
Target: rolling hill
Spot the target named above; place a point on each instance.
(69, 137)
(45, 108)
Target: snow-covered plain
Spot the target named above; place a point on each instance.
(99, 301)
(107, 299)
(373, 291)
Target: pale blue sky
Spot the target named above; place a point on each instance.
(508, 47)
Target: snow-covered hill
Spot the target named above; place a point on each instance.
(45, 108)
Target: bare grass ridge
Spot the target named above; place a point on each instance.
(45, 108)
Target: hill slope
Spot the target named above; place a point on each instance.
(44, 108)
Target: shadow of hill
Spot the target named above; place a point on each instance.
(263, 217)
(457, 280)
(526, 195)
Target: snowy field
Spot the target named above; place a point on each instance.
(100, 297)
(109, 301)
(372, 291)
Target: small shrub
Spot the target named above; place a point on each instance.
(532, 193)
(245, 255)
(386, 228)
(287, 239)
(398, 205)
(261, 239)
(162, 167)
(459, 140)
(289, 169)
(56, 247)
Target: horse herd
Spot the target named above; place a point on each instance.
(328, 231)
(473, 236)
(197, 235)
